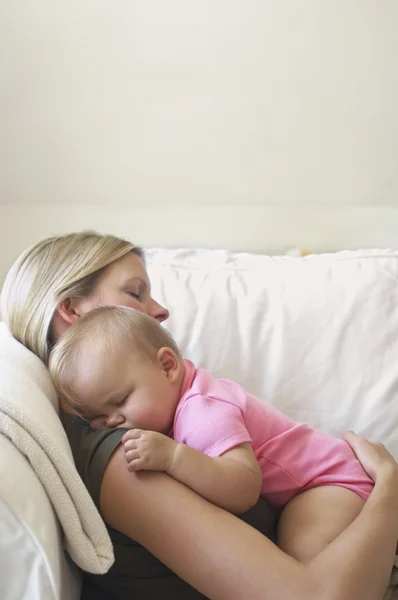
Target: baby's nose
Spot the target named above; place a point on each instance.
(115, 421)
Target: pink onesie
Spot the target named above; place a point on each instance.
(216, 415)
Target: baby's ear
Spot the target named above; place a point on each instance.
(168, 360)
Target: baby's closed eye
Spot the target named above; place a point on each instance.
(121, 402)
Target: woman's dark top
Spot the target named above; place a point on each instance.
(136, 574)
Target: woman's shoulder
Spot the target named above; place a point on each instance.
(91, 450)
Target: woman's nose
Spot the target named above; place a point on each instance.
(158, 312)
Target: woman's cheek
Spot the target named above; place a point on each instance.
(132, 303)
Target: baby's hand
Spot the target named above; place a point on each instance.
(148, 450)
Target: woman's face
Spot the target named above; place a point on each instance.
(124, 283)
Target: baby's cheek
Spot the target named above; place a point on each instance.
(97, 424)
(148, 417)
(140, 417)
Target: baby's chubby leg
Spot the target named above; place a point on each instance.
(311, 520)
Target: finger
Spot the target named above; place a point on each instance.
(354, 439)
(132, 434)
(357, 440)
(130, 445)
(350, 434)
(132, 455)
(362, 448)
(135, 465)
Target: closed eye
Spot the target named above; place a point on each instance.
(135, 295)
(121, 402)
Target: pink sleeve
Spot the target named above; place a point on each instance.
(210, 425)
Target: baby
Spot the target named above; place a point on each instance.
(117, 367)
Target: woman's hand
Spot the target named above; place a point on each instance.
(373, 456)
(172, 522)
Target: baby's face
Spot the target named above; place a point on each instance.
(129, 392)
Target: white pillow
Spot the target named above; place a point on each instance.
(316, 337)
(33, 564)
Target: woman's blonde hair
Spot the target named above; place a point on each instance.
(48, 273)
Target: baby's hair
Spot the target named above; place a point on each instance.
(97, 334)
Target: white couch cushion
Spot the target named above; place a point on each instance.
(28, 417)
(316, 337)
(33, 564)
(36, 496)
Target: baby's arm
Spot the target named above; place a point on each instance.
(232, 481)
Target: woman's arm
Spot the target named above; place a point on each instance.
(226, 560)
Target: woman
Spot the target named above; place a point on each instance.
(46, 290)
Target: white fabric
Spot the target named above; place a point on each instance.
(33, 564)
(316, 337)
(29, 419)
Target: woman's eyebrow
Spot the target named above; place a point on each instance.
(139, 280)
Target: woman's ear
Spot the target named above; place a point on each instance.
(69, 310)
(65, 315)
(169, 362)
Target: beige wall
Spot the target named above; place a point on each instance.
(260, 229)
(252, 124)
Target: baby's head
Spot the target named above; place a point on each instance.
(117, 367)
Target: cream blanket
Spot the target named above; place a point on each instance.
(29, 418)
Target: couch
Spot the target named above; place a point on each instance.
(316, 337)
